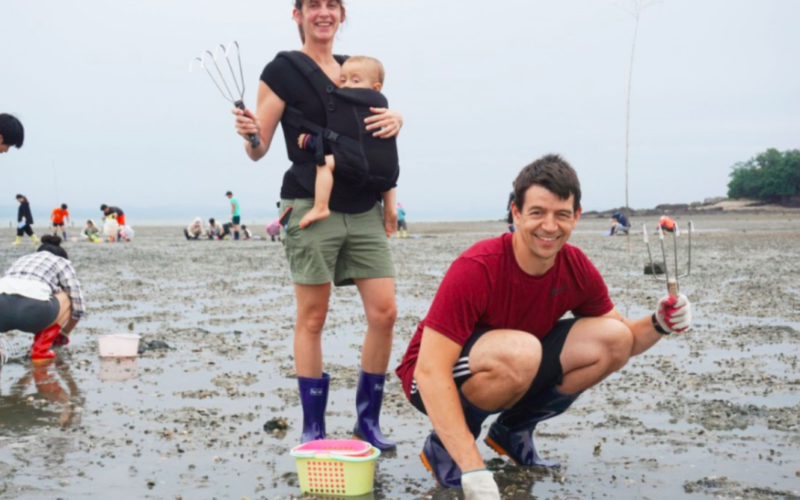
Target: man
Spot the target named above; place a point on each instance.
(619, 224)
(60, 217)
(217, 231)
(11, 133)
(114, 210)
(493, 341)
(235, 216)
(667, 224)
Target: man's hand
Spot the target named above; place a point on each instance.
(674, 314)
(479, 485)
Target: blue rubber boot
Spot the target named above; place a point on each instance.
(512, 432)
(435, 457)
(369, 397)
(314, 399)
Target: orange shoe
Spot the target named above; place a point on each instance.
(42, 342)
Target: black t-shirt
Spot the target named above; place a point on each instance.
(295, 90)
(24, 210)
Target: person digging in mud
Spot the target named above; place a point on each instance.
(493, 341)
(41, 294)
(619, 224)
(666, 224)
(91, 232)
(194, 230)
(348, 248)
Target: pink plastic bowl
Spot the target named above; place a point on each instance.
(345, 447)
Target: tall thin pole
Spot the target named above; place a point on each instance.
(637, 7)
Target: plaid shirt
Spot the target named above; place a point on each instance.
(55, 272)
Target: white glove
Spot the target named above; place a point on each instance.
(674, 314)
(479, 485)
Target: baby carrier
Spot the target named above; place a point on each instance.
(362, 159)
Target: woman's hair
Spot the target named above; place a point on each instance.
(52, 244)
(298, 4)
(21, 196)
(12, 130)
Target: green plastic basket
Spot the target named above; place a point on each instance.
(334, 474)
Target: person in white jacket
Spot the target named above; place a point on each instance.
(195, 230)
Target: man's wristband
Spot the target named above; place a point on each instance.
(657, 325)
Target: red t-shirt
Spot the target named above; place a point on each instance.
(59, 214)
(485, 289)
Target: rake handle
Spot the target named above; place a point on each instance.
(254, 140)
(672, 288)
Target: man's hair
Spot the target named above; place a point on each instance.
(63, 206)
(211, 220)
(228, 194)
(20, 196)
(370, 64)
(12, 130)
(103, 207)
(553, 173)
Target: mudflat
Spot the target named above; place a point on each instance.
(713, 413)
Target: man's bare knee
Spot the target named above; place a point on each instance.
(618, 340)
(509, 357)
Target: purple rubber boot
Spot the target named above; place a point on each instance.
(314, 399)
(512, 432)
(369, 397)
(435, 457)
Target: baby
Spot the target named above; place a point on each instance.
(358, 72)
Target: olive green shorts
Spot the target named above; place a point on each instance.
(341, 248)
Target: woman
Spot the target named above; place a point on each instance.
(41, 294)
(195, 230)
(91, 232)
(24, 220)
(349, 247)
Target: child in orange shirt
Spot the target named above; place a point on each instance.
(60, 214)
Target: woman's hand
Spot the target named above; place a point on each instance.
(385, 122)
(390, 220)
(246, 123)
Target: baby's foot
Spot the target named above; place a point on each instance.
(313, 215)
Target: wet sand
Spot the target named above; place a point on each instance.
(714, 413)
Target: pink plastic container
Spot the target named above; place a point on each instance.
(343, 447)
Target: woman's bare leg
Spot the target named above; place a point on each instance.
(312, 309)
(380, 307)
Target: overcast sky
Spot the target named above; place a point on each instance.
(112, 114)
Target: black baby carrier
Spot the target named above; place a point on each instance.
(361, 159)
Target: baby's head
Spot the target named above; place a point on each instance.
(361, 72)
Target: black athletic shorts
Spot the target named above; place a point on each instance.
(26, 314)
(236, 219)
(550, 372)
(58, 224)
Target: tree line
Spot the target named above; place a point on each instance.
(772, 176)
